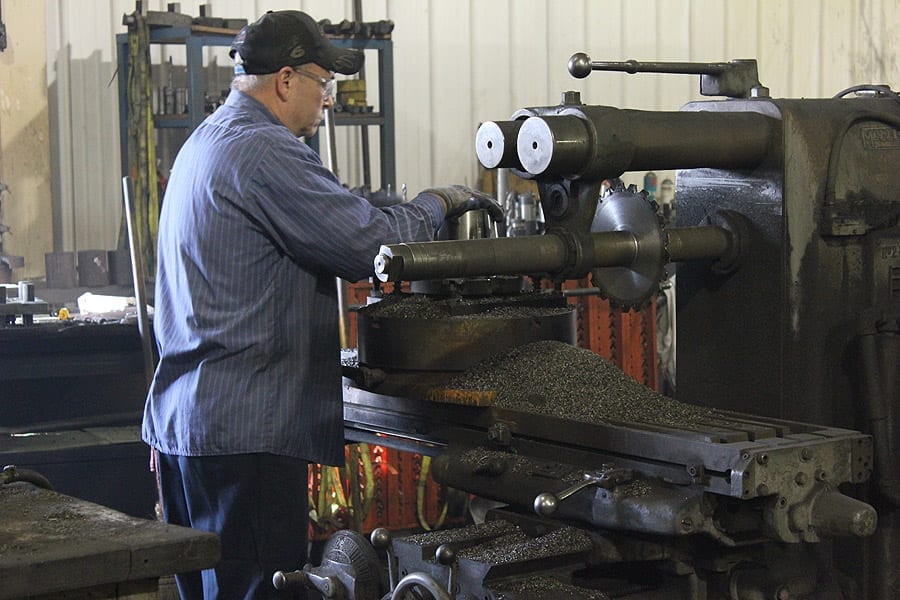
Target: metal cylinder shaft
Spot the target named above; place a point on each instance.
(838, 515)
(631, 140)
(470, 258)
(694, 243)
(495, 144)
(556, 144)
(550, 253)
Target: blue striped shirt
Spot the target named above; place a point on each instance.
(252, 233)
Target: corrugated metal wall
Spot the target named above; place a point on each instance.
(460, 62)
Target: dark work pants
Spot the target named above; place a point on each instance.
(256, 503)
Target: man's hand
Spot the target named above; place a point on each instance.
(459, 199)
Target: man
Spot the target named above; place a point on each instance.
(252, 233)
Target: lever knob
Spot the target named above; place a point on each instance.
(545, 504)
(580, 65)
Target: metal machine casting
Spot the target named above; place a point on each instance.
(771, 473)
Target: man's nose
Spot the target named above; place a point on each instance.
(328, 101)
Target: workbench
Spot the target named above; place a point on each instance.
(71, 397)
(54, 546)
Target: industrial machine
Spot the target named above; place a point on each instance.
(772, 472)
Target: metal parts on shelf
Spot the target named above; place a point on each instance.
(363, 29)
(24, 306)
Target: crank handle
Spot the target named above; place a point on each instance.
(546, 503)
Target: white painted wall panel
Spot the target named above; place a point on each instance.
(413, 92)
(461, 62)
(449, 76)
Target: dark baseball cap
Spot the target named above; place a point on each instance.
(289, 38)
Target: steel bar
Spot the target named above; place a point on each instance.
(694, 243)
(602, 141)
(137, 268)
(331, 163)
(549, 253)
(580, 65)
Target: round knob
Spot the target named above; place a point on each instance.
(545, 504)
(380, 538)
(580, 65)
(290, 581)
(445, 554)
(279, 580)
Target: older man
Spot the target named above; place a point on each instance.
(252, 233)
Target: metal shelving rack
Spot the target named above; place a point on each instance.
(196, 38)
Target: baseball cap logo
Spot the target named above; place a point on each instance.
(298, 52)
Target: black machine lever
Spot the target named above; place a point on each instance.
(735, 79)
(329, 586)
(545, 504)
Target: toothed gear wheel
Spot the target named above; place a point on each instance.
(634, 285)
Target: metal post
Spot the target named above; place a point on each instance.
(331, 164)
(137, 269)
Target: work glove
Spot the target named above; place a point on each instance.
(459, 199)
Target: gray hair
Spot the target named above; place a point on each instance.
(250, 83)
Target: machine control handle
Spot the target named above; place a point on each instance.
(381, 539)
(546, 503)
(581, 65)
(735, 79)
(420, 581)
(446, 555)
(304, 579)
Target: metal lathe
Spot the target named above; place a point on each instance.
(772, 474)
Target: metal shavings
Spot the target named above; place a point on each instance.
(523, 312)
(415, 306)
(482, 457)
(544, 587)
(462, 534)
(503, 542)
(518, 547)
(559, 380)
(406, 306)
(635, 489)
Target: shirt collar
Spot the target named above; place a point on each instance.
(241, 101)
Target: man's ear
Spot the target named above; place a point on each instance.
(283, 80)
